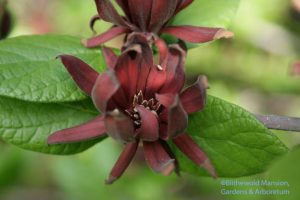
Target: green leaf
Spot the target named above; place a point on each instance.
(29, 70)
(212, 13)
(236, 143)
(28, 125)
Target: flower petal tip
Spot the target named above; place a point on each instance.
(209, 167)
(222, 33)
(110, 180)
(52, 139)
(204, 81)
(168, 168)
(84, 42)
(58, 57)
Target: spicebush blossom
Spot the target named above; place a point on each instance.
(151, 18)
(140, 103)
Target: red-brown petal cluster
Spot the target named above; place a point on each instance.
(150, 17)
(139, 101)
(142, 102)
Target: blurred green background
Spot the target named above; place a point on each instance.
(251, 70)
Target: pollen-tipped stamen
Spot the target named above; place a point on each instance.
(153, 105)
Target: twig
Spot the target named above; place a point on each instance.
(280, 122)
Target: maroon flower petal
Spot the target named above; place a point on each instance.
(84, 76)
(165, 145)
(128, 71)
(163, 52)
(104, 37)
(124, 5)
(187, 145)
(157, 158)
(108, 13)
(140, 11)
(110, 57)
(105, 87)
(149, 130)
(161, 12)
(145, 60)
(175, 70)
(119, 126)
(193, 98)
(183, 5)
(177, 117)
(165, 99)
(123, 162)
(87, 131)
(134, 65)
(163, 127)
(197, 34)
(144, 49)
(155, 81)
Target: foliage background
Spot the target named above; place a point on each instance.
(251, 70)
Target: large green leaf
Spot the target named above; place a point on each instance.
(212, 13)
(236, 143)
(29, 70)
(27, 125)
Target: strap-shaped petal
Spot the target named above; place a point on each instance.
(105, 87)
(149, 129)
(161, 12)
(197, 34)
(167, 148)
(108, 13)
(177, 117)
(84, 76)
(119, 126)
(104, 37)
(134, 64)
(182, 5)
(87, 131)
(163, 52)
(155, 81)
(175, 70)
(187, 145)
(128, 71)
(140, 12)
(157, 158)
(123, 162)
(110, 57)
(194, 97)
(124, 5)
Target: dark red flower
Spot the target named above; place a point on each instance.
(150, 17)
(139, 102)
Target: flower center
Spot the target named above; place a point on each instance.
(152, 104)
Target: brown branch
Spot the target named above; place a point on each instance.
(280, 122)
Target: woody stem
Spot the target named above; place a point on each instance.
(279, 122)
